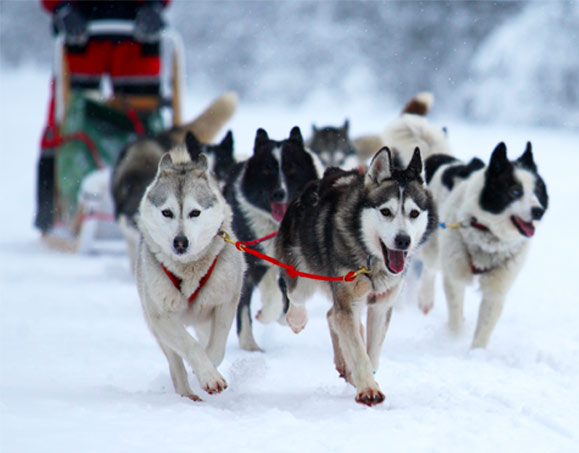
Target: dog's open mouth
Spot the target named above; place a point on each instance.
(525, 228)
(394, 259)
(278, 210)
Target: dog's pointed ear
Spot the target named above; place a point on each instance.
(261, 139)
(499, 161)
(296, 135)
(380, 167)
(193, 146)
(314, 129)
(195, 151)
(227, 142)
(346, 126)
(526, 160)
(414, 169)
(166, 162)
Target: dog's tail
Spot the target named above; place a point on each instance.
(412, 129)
(208, 123)
(419, 104)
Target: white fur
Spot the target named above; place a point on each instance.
(166, 308)
(503, 251)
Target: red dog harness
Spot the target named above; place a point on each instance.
(177, 281)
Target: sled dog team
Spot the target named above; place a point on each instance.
(177, 197)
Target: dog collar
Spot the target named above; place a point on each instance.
(177, 281)
(479, 226)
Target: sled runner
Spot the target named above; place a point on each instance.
(85, 133)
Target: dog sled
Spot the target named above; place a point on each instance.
(85, 133)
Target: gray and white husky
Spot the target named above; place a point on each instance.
(334, 147)
(340, 223)
(494, 210)
(186, 274)
(136, 165)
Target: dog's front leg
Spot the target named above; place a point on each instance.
(378, 320)
(345, 320)
(490, 310)
(426, 289)
(454, 291)
(297, 313)
(168, 328)
(221, 323)
(494, 286)
(244, 330)
(178, 373)
(271, 298)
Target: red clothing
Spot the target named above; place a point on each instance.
(134, 67)
(118, 59)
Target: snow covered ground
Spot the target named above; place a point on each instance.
(81, 373)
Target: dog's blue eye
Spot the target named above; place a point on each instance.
(386, 212)
(167, 213)
(195, 213)
(516, 192)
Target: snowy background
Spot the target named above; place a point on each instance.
(508, 61)
(79, 370)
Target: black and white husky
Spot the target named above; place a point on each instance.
(186, 274)
(340, 223)
(259, 191)
(493, 210)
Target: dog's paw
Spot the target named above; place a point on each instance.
(192, 397)
(370, 397)
(297, 317)
(212, 382)
(425, 305)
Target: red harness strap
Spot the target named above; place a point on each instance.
(177, 281)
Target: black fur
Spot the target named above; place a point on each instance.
(501, 186)
(259, 179)
(527, 162)
(450, 174)
(434, 162)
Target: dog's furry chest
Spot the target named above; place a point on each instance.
(382, 281)
(486, 252)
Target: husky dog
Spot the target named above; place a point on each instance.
(333, 146)
(186, 274)
(137, 163)
(339, 224)
(259, 190)
(410, 130)
(494, 209)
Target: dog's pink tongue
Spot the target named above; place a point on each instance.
(527, 227)
(278, 211)
(396, 261)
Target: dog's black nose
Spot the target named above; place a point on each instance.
(278, 195)
(402, 241)
(537, 213)
(180, 244)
